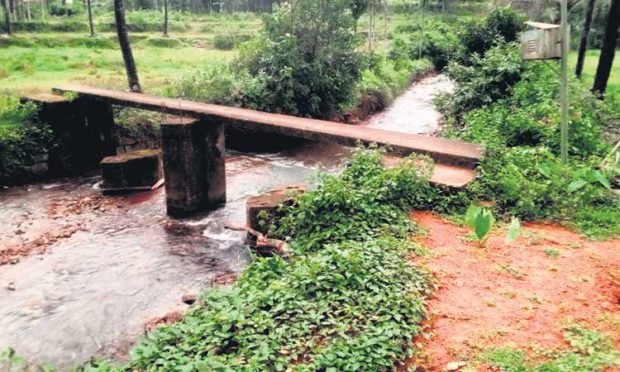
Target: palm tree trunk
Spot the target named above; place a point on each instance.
(7, 17)
(165, 18)
(123, 40)
(90, 18)
(585, 33)
(608, 50)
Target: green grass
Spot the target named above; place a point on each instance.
(589, 70)
(32, 62)
(589, 351)
(37, 69)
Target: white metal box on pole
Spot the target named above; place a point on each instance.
(543, 42)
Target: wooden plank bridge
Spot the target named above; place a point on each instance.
(185, 149)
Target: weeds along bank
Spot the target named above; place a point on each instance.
(23, 140)
(511, 107)
(348, 298)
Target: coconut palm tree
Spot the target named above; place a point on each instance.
(123, 40)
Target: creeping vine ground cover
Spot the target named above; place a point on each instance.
(348, 299)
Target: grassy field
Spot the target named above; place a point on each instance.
(33, 62)
(589, 70)
(28, 70)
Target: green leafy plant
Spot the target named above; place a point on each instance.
(347, 299)
(481, 220)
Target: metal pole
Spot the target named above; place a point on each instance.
(564, 82)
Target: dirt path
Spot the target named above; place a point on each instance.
(520, 294)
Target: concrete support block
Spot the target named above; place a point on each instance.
(193, 152)
(83, 129)
(136, 170)
(263, 210)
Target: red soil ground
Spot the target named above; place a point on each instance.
(514, 293)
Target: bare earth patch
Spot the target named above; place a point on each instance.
(519, 294)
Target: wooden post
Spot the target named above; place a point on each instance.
(564, 105)
(193, 152)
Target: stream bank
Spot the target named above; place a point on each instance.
(87, 275)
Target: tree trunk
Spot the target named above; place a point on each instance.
(90, 18)
(123, 40)
(608, 50)
(7, 17)
(585, 34)
(13, 10)
(165, 18)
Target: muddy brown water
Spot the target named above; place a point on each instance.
(101, 269)
(414, 111)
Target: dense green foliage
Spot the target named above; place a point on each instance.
(451, 39)
(22, 138)
(383, 78)
(590, 351)
(306, 61)
(512, 109)
(348, 298)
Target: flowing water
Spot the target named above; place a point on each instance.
(414, 111)
(102, 270)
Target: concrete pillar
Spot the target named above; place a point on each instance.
(193, 152)
(82, 128)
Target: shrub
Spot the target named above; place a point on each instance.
(486, 80)
(229, 41)
(222, 84)
(434, 40)
(164, 42)
(501, 26)
(306, 62)
(143, 21)
(522, 171)
(58, 9)
(22, 138)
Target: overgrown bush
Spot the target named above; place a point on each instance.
(143, 21)
(229, 41)
(485, 80)
(222, 84)
(306, 62)
(65, 25)
(435, 40)
(22, 138)
(477, 37)
(519, 127)
(348, 299)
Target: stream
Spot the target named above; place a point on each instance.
(103, 270)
